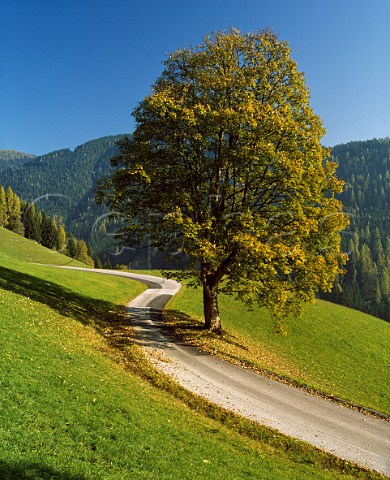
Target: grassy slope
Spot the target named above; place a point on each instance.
(69, 409)
(334, 349)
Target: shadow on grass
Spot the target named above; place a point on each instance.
(89, 311)
(181, 323)
(178, 319)
(33, 471)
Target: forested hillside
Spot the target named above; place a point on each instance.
(365, 167)
(25, 219)
(11, 158)
(64, 182)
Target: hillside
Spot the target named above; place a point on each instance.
(20, 251)
(63, 182)
(365, 167)
(13, 158)
(73, 409)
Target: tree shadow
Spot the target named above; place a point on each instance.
(177, 321)
(33, 471)
(65, 301)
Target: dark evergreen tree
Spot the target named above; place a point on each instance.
(49, 232)
(71, 245)
(32, 223)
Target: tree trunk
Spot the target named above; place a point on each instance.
(212, 320)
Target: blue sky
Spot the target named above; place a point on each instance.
(73, 70)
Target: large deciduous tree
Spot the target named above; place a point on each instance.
(226, 165)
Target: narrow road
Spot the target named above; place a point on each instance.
(337, 429)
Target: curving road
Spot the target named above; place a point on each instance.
(337, 429)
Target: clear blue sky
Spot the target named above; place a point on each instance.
(73, 70)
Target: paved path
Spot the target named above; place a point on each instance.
(349, 434)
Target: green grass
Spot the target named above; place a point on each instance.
(81, 295)
(71, 408)
(16, 249)
(336, 350)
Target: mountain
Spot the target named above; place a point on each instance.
(13, 158)
(365, 167)
(62, 183)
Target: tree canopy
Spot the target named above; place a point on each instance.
(226, 165)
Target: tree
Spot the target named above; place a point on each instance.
(49, 232)
(61, 235)
(31, 222)
(14, 213)
(226, 165)
(3, 207)
(71, 246)
(81, 253)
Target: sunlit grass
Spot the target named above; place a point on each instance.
(71, 411)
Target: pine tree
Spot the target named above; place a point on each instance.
(98, 263)
(32, 227)
(368, 274)
(49, 232)
(71, 245)
(377, 249)
(387, 247)
(385, 282)
(378, 294)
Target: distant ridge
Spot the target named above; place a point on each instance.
(12, 158)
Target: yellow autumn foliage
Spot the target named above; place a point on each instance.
(226, 159)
